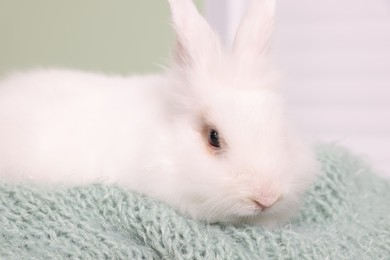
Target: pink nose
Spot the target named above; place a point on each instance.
(265, 201)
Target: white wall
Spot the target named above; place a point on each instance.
(335, 57)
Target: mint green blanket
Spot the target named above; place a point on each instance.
(345, 216)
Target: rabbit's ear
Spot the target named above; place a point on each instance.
(254, 33)
(196, 42)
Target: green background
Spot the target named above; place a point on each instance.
(114, 36)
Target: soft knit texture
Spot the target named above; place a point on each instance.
(345, 216)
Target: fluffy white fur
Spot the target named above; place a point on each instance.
(146, 132)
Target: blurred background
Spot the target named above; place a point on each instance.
(334, 54)
(117, 36)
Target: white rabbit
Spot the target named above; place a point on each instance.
(209, 137)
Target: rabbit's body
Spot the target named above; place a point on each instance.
(209, 137)
(58, 125)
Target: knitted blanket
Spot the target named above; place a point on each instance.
(345, 216)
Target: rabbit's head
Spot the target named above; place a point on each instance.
(239, 161)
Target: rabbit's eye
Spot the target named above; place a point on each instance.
(214, 138)
(214, 142)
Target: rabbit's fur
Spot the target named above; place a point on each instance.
(151, 133)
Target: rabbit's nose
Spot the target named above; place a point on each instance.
(265, 200)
